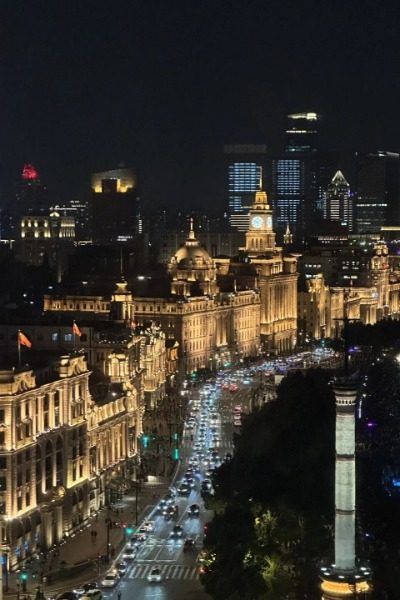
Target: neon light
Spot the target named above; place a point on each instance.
(29, 172)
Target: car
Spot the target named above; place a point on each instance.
(170, 513)
(121, 567)
(190, 482)
(110, 579)
(93, 595)
(184, 490)
(188, 544)
(161, 506)
(155, 575)
(74, 595)
(148, 526)
(177, 532)
(194, 510)
(82, 590)
(137, 539)
(228, 456)
(169, 498)
(129, 553)
(142, 532)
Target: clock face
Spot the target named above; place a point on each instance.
(269, 221)
(257, 222)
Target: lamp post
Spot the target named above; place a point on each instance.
(108, 527)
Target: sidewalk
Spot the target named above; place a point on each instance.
(84, 547)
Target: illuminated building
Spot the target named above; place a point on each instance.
(114, 206)
(262, 266)
(339, 202)
(46, 237)
(345, 578)
(378, 191)
(295, 182)
(59, 447)
(245, 170)
(357, 279)
(31, 198)
(210, 327)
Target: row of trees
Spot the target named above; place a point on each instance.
(274, 501)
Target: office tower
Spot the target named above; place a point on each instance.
(301, 134)
(345, 578)
(114, 206)
(377, 191)
(79, 211)
(31, 198)
(245, 164)
(338, 203)
(295, 175)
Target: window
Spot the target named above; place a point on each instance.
(3, 484)
(19, 478)
(27, 499)
(84, 337)
(19, 503)
(2, 437)
(2, 415)
(54, 337)
(3, 462)
(68, 337)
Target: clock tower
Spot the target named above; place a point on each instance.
(260, 238)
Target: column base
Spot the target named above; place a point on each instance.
(337, 585)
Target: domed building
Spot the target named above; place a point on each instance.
(192, 269)
(211, 327)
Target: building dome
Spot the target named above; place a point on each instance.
(192, 269)
(191, 254)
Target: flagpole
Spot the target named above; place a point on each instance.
(73, 332)
(19, 349)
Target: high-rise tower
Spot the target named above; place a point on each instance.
(338, 202)
(294, 175)
(245, 169)
(345, 578)
(114, 206)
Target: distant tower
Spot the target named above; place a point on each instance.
(287, 236)
(338, 202)
(345, 578)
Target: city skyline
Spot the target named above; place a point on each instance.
(162, 89)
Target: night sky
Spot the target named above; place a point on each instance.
(162, 85)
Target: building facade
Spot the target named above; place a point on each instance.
(262, 266)
(339, 202)
(62, 447)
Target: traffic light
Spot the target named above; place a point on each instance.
(23, 578)
(175, 454)
(175, 436)
(146, 439)
(129, 530)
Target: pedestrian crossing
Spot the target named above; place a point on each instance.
(167, 571)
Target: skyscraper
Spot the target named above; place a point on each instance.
(245, 168)
(338, 204)
(114, 206)
(294, 175)
(377, 191)
(31, 198)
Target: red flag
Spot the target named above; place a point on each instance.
(23, 340)
(76, 330)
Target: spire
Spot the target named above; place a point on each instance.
(287, 237)
(191, 239)
(339, 178)
(191, 231)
